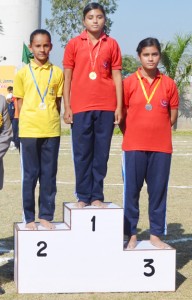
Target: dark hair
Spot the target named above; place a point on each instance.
(10, 88)
(148, 42)
(93, 5)
(39, 31)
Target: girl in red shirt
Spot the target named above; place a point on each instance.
(151, 101)
(93, 102)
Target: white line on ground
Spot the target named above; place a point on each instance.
(108, 184)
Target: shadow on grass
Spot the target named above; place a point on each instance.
(182, 242)
(6, 269)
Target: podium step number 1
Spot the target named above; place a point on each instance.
(85, 254)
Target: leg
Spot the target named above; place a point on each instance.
(49, 156)
(15, 133)
(12, 144)
(30, 173)
(134, 170)
(103, 131)
(82, 138)
(157, 182)
(1, 173)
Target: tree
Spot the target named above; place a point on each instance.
(67, 17)
(129, 65)
(177, 64)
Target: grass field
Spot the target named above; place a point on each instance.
(178, 216)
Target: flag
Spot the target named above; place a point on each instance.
(26, 55)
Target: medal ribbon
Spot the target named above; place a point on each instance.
(38, 90)
(90, 53)
(144, 90)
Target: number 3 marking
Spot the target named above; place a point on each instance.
(39, 253)
(149, 265)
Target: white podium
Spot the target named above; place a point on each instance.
(85, 254)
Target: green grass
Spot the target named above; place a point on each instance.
(182, 133)
(117, 131)
(65, 131)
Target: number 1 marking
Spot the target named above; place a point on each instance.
(93, 223)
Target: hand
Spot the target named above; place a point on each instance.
(68, 116)
(122, 126)
(118, 116)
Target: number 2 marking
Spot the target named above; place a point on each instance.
(93, 223)
(40, 252)
(149, 265)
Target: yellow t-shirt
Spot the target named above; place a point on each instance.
(33, 121)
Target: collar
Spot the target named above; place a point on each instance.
(83, 35)
(47, 65)
(139, 71)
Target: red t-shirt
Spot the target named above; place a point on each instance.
(149, 130)
(87, 94)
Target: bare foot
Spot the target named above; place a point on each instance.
(132, 243)
(47, 224)
(99, 203)
(80, 204)
(31, 226)
(155, 241)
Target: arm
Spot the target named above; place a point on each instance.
(5, 130)
(68, 115)
(58, 103)
(19, 104)
(116, 74)
(173, 116)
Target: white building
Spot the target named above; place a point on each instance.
(19, 18)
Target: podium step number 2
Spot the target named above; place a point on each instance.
(85, 254)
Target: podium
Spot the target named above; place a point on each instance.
(85, 254)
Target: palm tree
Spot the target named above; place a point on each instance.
(177, 64)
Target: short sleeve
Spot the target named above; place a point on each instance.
(18, 87)
(116, 56)
(60, 83)
(69, 56)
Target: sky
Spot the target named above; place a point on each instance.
(135, 20)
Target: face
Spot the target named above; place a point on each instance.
(94, 21)
(41, 46)
(150, 58)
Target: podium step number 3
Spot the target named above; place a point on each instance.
(85, 254)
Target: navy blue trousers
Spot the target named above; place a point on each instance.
(39, 162)
(91, 136)
(16, 139)
(154, 169)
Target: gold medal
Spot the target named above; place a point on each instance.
(42, 106)
(92, 75)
